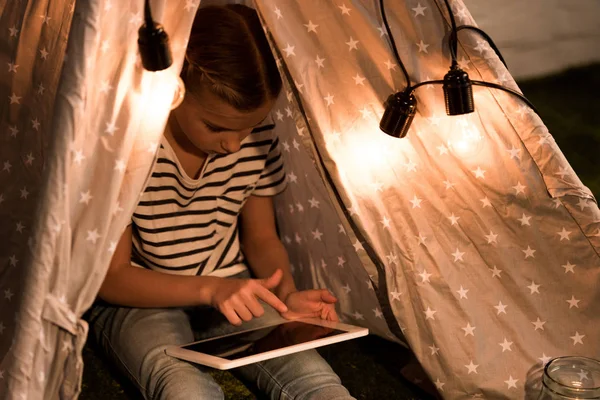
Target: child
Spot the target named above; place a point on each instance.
(219, 164)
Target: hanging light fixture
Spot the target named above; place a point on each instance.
(153, 43)
(400, 109)
(458, 92)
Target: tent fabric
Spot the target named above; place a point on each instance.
(487, 240)
(78, 142)
(472, 240)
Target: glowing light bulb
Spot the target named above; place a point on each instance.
(465, 139)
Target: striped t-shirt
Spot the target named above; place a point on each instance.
(190, 226)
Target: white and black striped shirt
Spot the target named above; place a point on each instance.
(190, 226)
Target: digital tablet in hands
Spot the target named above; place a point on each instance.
(247, 347)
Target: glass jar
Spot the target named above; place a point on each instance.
(571, 378)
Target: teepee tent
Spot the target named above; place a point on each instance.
(471, 240)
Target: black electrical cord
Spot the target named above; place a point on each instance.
(148, 14)
(393, 44)
(487, 38)
(453, 35)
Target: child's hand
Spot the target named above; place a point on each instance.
(237, 299)
(317, 303)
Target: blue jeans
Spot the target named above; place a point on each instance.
(135, 340)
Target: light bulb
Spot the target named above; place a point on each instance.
(464, 139)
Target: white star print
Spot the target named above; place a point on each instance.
(24, 193)
(120, 165)
(419, 10)
(524, 220)
(341, 229)
(105, 87)
(534, 288)
(582, 203)
(458, 255)
(341, 261)
(328, 99)
(12, 67)
(544, 359)
(310, 27)
(577, 338)
(583, 375)
(35, 124)
(278, 13)
(416, 202)
(519, 188)
(429, 313)
(392, 259)
(501, 308)
(13, 131)
(7, 166)
(347, 288)
(469, 329)
(511, 382)
(514, 152)
(345, 10)
(358, 245)
(14, 99)
(44, 53)
(529, 252)
(564, 234)
(289, 50)
(136, 19)
(45, 18)
(485, 202)
(369, 284)
(462, 293)
(378, 313)
(13, 31)
(557, 203)
(112, 246)
(317, 234)
(85, 197)
(288, 111)
(439, 384)
(573, 302)
(8, 294)
(421, 239)
(506, 345)
(352, 44)
(358, 80)
(424, 276)
(386, 222)
(539, 324)
(422, 47)
(479, 173)
(297, 237)
(411, 166)
(299, 207)
(390, 65)
(382, 30)
(357, 315)
(314, 203)
(190, 5)
(319, 62)
(111, 128)
(569, 267)
(471, 367)
(453, 219)
(464, 63)
(13, 260)
(434, 349)
(292, 177)
(92, 236)
(395, 295)
(492, 237)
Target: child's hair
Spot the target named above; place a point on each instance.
(229, 54)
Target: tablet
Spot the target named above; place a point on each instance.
(251, 346)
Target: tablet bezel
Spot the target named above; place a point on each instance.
(350, 332)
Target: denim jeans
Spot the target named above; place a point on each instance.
(135, 339)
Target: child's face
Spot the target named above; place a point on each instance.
(213, 126)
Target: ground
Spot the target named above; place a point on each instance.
(369, 367)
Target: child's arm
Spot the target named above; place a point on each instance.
(262, 247)
(131, 286)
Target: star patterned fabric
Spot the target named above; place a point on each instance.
(79, 126)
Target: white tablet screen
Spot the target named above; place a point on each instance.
(257, 341)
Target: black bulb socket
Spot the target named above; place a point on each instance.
(458, 92)
(400, 109)
(155, 51)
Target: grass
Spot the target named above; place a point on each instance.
(370, 367)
